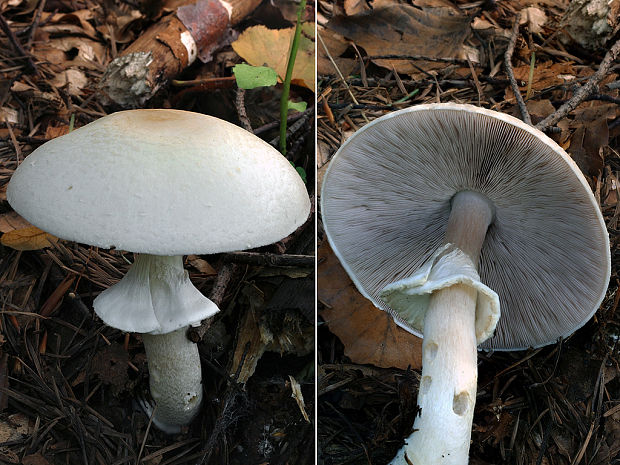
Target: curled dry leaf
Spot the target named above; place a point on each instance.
(201, 265)
(73, 80)
(336, 46)
(546, 74)
(260, 46)
(29, 238)
(399, 29)
(368, 334)
(85, 52)
(352, 7)
(591, 134)
(535, 18)
(76, 22)
(11, 221)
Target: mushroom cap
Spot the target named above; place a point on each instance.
(386, 201)
(164, 182)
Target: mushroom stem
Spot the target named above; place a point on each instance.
(447, 393)
(470, 217)
(159, 301)
(175, 378)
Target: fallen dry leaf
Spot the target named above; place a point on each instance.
(535, 18)
(85, 52)
(591, 133)
(368, 334)
(29, 238)
(260, 46)
(11, 221)
(73, 79)
(201, 265)
(76, 22)
(399, 29)
(51, 132)
(546, 74)
(352, 7)
(336, 46)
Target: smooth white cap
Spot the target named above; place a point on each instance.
(163, 182)
(385, 204)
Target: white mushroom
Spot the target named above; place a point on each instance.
(441, 212)
(162, 183)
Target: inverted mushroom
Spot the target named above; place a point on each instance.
(162, 183)
(441, 214)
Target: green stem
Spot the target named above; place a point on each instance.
(286, 86)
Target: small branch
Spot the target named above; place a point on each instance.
(421, 57)
(35, 23)
(4, 26)
(584, 91)
(511, 75)
(243, 116)
(290, 119)
(217, 296)
(270, 259)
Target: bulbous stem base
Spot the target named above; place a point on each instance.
(175, 378)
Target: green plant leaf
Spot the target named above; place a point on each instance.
(302, 173)
(297, 106)
(250, 77)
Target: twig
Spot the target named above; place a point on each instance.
(243, 116)
(584, 91)
(146, 434)
(31, 67)
(344, 81)
(35, 23)
(421, 57)
(511, 75)
(270, 259)
(289, 132)
(217, 296)
(290, 119)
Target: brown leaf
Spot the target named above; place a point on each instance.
(546, 74)
(368, 334)
(72, 79)
(34, 459)
(591, 134)
(85, 53)
(399, 29)
(498, 428)
(51, 132)
(76, 22)
(353, 7)
(336, 46)
(538, 109)
(12, 221)
(535, 19)
(29, 238)
(260, 46)
(201, 265)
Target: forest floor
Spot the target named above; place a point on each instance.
(556, 405)
(68, 383)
